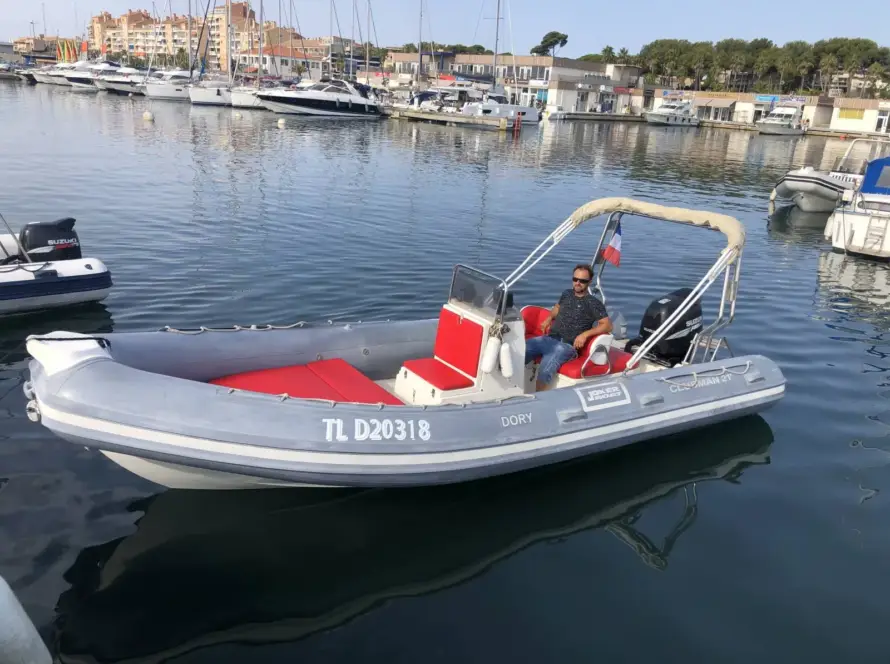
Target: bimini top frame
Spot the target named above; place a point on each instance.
(728, 262)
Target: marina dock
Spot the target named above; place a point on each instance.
(453, 119)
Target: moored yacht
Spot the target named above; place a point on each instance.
(211, 93)
(860, 224)
(674, 113)
(84, 78)
(172, 85)
(782, 121)
(125, 81)
(336, 99)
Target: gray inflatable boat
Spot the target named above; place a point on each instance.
(402, 403)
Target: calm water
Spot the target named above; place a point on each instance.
(761, 540)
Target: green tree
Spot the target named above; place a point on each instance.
(765, 63)
(608, 54)
(828, 67)
(623, 56)
(804, 66)
(550, 43)
(591, 57)
(873, 74)
(181, 59)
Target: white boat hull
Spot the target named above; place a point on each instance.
(171, 92)
(861, 233)
(57, 80)
(663, 119)
(305, 111)
(201, 96)
(813, 191)
(771, 129)
(245, 99)
(124, 88)
(75, 281)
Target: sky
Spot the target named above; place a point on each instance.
(590, 25)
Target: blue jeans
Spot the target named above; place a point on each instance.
(553, 353)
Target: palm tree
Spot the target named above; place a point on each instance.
(828, 67)
(804, 65)
(608, 54)
(701, 58)
(763, 64)
(785, 65)
(623, 56)
(737, 64)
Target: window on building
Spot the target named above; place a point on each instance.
(851, 114)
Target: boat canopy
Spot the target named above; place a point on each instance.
(729, 226)
(877, 178)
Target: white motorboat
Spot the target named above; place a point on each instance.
(41, 74)
(782, 121)
(819, 191)
(42, 267)
(211, 93)
(84, 78)
(860, 224)
(498, 106)
(333, 99)
(674, 113)
(124, 81)
(57, 74)
(171, 85)
(405, 403)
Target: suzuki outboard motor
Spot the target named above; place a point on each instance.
(673, 346)
(51, 240)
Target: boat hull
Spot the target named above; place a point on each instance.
(770, 129)
(124, 400)
(41, 286)
(860, 233)
(209, 96)
(665, 120)
(123, 88)
(170, 92)
(245, 99)
(811, 190)
(318, 108)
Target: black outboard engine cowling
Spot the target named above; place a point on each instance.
(51, 240)
(673, 346)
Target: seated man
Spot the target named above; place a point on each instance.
(576, 318)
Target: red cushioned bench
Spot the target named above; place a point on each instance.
(533, 317)
(333, 380)
(455, 361)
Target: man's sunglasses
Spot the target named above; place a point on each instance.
(581, 281)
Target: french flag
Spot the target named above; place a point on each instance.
(612, 253)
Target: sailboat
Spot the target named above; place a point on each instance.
(244, 96)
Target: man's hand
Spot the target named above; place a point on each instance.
(546, 324)
(580, 340)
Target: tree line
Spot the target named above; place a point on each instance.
(759, 64)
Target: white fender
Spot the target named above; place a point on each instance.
(507, 360)
(490, 354)
(599, 353)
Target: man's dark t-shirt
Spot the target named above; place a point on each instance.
(576, 315)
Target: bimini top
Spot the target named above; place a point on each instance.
(729, 226)
(877, 178)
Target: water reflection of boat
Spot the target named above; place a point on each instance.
(210, 569)
(851, 282)
(792, 217)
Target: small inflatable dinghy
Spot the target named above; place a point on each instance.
(42, 267)
(402, 403)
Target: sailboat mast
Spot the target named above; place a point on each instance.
(497, 27)
(420, 42)
(331, 42)
(259, 67)
(229, 39)
(368, 48)
(352, 46)
(189, 30)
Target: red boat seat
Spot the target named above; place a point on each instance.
(455, 361)
(533, 316)
(438, 374)
(332, 380)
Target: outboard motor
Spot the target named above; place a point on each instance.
(51, 240)
(672, 349)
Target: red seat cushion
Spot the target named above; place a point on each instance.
(438, 374)
(333, 380)
(458, 342)
(533, 317)
(352, 384)
(617, 358)
(296, 381)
